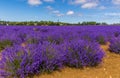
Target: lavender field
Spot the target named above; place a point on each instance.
(26, 51)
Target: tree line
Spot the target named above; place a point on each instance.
(34, 23)
(49, 23)
(92, 23)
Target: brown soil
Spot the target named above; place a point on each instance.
(110, 68)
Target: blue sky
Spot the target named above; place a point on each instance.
(72, 11)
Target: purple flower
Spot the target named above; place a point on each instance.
(83, 53)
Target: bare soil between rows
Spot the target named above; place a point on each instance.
(109, 68)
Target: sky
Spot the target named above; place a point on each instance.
(71, 11)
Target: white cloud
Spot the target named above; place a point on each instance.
(85, 3)
(79, 14)
(102, 7)
(74, 14)
(49, 8)
(89, 5)
(60, 14)
(55, 11)
(112, 14)
(116, 2)
(49, 0)
(78, 1)
(38, 2)
(34, 2)
(70, 12)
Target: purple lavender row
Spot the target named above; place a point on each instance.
(27, 51)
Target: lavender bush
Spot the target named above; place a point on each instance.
(115, 45)
(101, 39)
(34, 59)
(51, 56)
(82, 53)
(5, 43)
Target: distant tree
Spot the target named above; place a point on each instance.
(98, 23)
(103, 23)
(92, 23)
(84, 23)
(79, 23)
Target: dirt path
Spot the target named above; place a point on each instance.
(110, 68)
